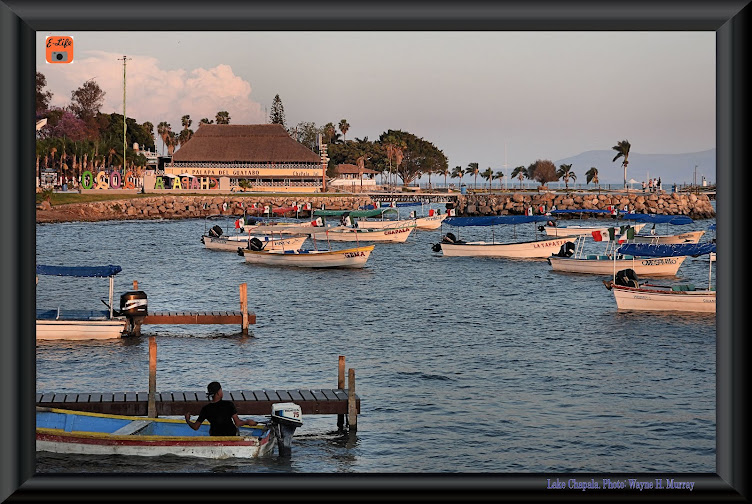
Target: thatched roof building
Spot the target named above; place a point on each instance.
(247, 143)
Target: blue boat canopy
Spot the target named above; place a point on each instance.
(494, 220)
(662, 250)
(582, 210)
(79, 271)
(659, 219)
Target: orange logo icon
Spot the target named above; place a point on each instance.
(59, 49)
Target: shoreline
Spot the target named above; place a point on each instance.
(200, 206)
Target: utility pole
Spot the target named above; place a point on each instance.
(125, 124)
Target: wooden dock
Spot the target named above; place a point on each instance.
(213, 317)
(256, 402)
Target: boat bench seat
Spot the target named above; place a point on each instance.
(628, 257)
(592, 256)
(604, 257)
(58, 314)
(132, 428)
(678, 288)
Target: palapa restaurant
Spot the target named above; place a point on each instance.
(264, 155)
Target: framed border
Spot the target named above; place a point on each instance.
(19, 20)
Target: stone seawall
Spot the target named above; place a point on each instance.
(691, 205)
(186, 207)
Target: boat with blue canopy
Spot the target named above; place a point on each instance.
(629, 294)
(451, 245)
(668, 220)
(59, 324)
(553, 229)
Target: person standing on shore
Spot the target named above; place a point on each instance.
(659, 185)
(222, 415)
(650, 185)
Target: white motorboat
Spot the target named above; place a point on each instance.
(348, 258)
(233, 242)
(553, 229)
(572, 259)
(349, 234)
(65, 324)
(688, 237)
(452, 247)
(629, 294)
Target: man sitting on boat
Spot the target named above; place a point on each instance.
(222, 415)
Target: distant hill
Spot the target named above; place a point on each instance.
(671, 168)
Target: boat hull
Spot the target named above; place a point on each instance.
(79, 329)
(646, 299)
(582, 230)
(642, 266)
(425, 223)
(690, 237)
(232, 245)
(345, 234)
(63, 431)
(347, 258)
(522, 250)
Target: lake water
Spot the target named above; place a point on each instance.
(462, 364)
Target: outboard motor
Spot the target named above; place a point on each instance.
(255, 244)
(133, 304)
(566, 250)
(436, 247)
(215, 231)
(285, 418)
(449, 238)
(626, 278)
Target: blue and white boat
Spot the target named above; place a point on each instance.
(665, 239)
(59, 324)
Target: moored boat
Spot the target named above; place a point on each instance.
(233, 242)
(64, 324)
(76, 432)
(347, 258)
(629, 294)
(572, 259)
(541, 248)
(553, 229)
(348, 234)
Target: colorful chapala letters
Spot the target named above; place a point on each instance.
(113, 180)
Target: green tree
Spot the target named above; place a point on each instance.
(87, 100)
(308, 134)
(344, 127)
(520, 173)
(186, 121)
(499, 176)
(488, 174)
(149, 128)
(163, 130)
(205, 120)
(43, 97)
(622, 149)
(592, 175)
(223, 117)
(277, 115)
(473, 169)
(565, 172)
(458, 172)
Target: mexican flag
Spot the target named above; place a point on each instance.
(600, 235)
(628, 235)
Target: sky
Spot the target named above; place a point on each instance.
(495, 98)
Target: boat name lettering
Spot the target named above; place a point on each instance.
(354, 254)
(658, 262)
(396, 231)
(549, 244)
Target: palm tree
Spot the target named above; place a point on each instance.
(205, 120)
(186, 121)
(444, 171)
(498, 176)
(458, 172)
(565, 172)
(622, 149)
(172, 142)
(399, 154)
(592, 175)
(520, 172)
(488, 175)
(474, 169)
(163, 129)
(149, 127)
(343, 127)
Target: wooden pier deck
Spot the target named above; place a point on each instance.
(212, 317)
(256, 402)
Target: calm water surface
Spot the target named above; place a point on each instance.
(462, 364)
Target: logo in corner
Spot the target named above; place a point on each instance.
(59, 49)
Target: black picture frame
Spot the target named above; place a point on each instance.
(19, 20)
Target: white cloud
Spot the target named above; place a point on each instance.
(154, 93)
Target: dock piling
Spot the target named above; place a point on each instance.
(151, 408)
(352, 408)
(341, 385)
(244, 308)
